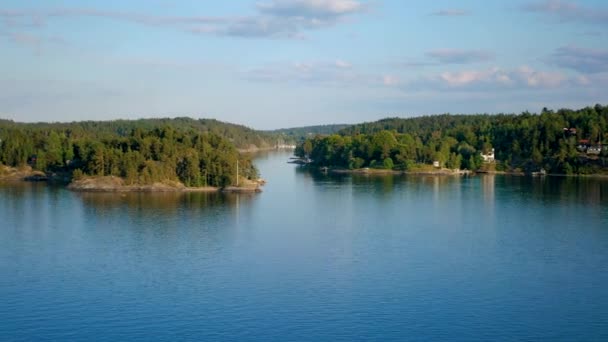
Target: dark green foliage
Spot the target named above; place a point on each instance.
(388, 164)
(177, 151)
(526, 141)
(240, 136)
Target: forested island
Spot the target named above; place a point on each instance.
(560, 142)
(147, 154)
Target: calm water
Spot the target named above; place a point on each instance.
(313, 257)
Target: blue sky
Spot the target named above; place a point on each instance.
(285, 63)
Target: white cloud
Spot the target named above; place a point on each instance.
(274, 19)
(310, 8)
(342, 64)
(493, 79)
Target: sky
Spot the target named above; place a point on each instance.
(285, 63)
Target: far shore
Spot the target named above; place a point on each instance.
(450, 172)
(438, 172)
(254, 149)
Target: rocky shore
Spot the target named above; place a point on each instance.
(117, 184)
(438, 172)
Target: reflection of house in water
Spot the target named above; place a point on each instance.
(488, 187)
(488, 157)
(488, 182)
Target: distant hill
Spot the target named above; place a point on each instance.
(300, 133)
(241, 136)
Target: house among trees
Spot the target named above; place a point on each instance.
(596, 150)
(570, 131)
(488, 157)
(584, 145)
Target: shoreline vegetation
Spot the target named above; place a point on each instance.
(563, 142)
(185, 154)
(440, 172)
(449, 172)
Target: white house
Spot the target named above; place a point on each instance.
(488, 157)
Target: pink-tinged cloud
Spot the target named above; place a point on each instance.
(342, 64)
(390, 80)
(542, 79)
(493, 79)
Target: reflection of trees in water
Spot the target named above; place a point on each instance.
(586, 190)
(19, 189)
(319, 176)
(417, 183)
(166, 202)
(382, 183)
(18, 194)
(164, 222)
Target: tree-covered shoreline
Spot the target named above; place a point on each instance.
(564, 141)
(140, 152)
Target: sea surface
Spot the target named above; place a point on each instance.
(314, 257)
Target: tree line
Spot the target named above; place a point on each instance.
(134, 150)
(299, 133)
(241, 136)
(557, 141)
